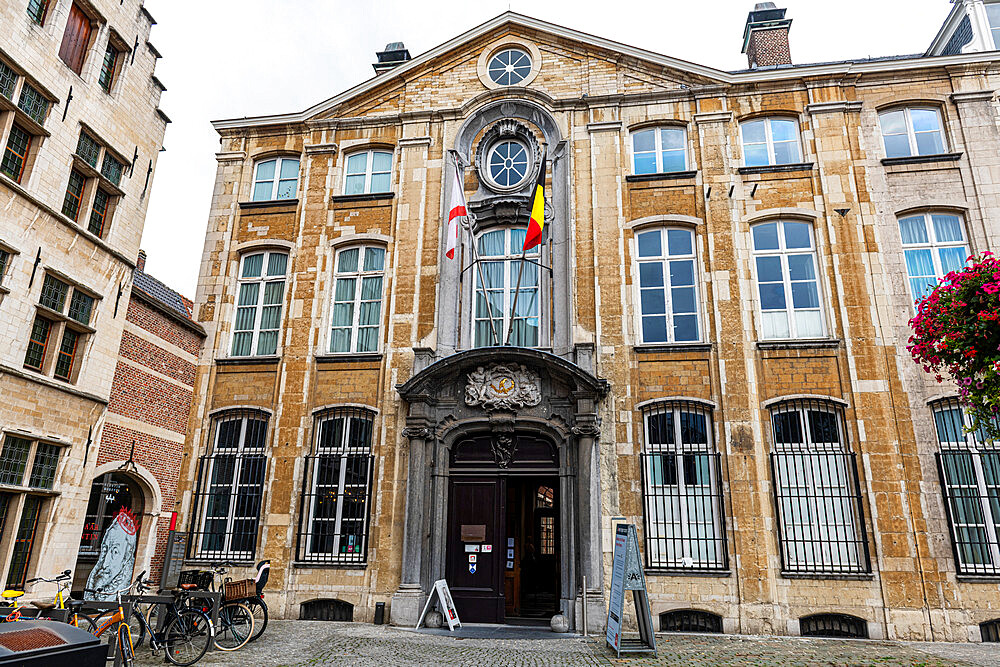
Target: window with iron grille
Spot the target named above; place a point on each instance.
(43, 469)
(684, 527)
(24, 540)
(99, 213)
(88, 149)
(15, 155)
(336, 488)
(230, 488)
(34, 357)
(33, 103)
(81, 306)
(969, 466)
(37, 9)
(109, 67)
(326, 610)
(8, 79)
(260, 296)
(74, 195)
(67, 355)
(833, 625)
(690, 620)
(990, 630)
(14, 460)
(112, 168)
(820, 517)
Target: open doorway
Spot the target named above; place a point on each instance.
(531, 550)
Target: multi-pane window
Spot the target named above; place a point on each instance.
(787, 282)
(259, 299)
(80, 307)
(54, 293)
(934, 244)
(24, 541)
(230, 487)
(16, 454)
(43, 470)
(276, 179)
(912, 131)
(368, 172)
(770, 141)
(993, 14)
(667, 293)
(14, 460)
(33, 103)
(8, 79)
(73, 200)
(112, 168)
(109, 67)
(38, 343)
(336, 491)
(67, 329)
(659, 150)
(66, 355)
(499, 272)
(99, 213)
(817, 492)
(15, 155)
(969, 465)
(37, 9)
(357, 300)
(4, 263)
(88, 149)
(76, 39)
(682, 508)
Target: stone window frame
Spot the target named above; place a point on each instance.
(508, 42)
(91, 159)
(244, 250)
(13, 115)
(663, 124)
(927, 213)
(119, 48)
(278, 158)
(769, 140)
(906, 106)
(360, 241)
(62, 328)
(369, 149)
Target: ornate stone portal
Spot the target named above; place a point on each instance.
(501, 389)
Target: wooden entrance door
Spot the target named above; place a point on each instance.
(475, 518)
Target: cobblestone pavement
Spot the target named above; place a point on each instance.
(313, 643)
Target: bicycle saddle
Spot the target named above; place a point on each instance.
(9, 594)
(74, 604)
(187, 587)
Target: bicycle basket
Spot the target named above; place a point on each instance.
(201, 578)
(235, 590)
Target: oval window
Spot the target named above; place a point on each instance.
(509, 67)
(508, 163)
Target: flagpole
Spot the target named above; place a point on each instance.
(475, 260)
(517, 292)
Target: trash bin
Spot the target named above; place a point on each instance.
(44, 643)
(379, 613)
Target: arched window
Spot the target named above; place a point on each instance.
(659, 150)
(259, 298)
(668, 293)
(336, 490)
(368, 172)
(770, 141)
(787, 280)
(230, 487)
(690, 620)
(933, 245)
(356, 306)
(969, 465)
(817, 492)
(277, 178)
(912, 131)
(833, 625)
(684, 527)
(499, 272)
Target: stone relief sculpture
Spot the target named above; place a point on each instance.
(503, 387)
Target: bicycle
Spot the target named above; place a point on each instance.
(186, 632)
(122, 632)
(75, 617)
(14, 615)
(236, 620)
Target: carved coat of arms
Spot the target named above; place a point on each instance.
(503, 387)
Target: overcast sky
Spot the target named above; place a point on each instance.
(234, 58)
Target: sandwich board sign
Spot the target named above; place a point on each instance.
(445, 602)
(627, 575)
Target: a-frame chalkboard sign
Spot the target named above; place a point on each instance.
(627, 575)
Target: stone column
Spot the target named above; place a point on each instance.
(408, 600)
(588, 482)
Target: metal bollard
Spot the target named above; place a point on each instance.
(585, 606)
(379, 613)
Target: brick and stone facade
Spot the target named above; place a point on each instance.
(583, 100)
(72, 215)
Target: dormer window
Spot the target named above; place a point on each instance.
(912, 131)
(276, 179)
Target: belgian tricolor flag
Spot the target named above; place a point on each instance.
(537, 221)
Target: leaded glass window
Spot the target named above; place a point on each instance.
(73, 200)
(88, 149)
(112, 168)
(15, 155)
(99, 213)
(109, 67)
(8, 79)
(24, 541)
(34, 357)
(66, 355)
(43, 470)
(33, 103)
(37, 9)
(259, 299)
(81, 306)
(14, 459)
(356, 315)
(54, 293)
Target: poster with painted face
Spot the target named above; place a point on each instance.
(116, 560)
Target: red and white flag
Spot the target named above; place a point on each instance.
(456, 210)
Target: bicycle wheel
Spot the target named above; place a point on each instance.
(187, 637)
(125, 646)
(259, 610)
(83, 622)
(137, 627)
(235, 626)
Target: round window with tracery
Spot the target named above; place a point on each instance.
(508, 163)
(509, 67)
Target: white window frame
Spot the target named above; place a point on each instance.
(911, 134)
(994, 29)
(342, 451)
(262, 281)
(369, 170)
(932, 244)
(359, 275)
(239, 453)
(655, 497)
(783, 252)
(664, 260)
(518, 49)
(769, 139)
(276, 181)
(658, 148)
(511, 261)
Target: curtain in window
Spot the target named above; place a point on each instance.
(76, 39)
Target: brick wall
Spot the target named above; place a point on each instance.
(768, 48)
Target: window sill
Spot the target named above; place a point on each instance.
(4, 290)
(373, 196)
(680, 572)
(978, 578)
(333, 566)
(79, 327)
(663, 176)
(863, 576)
(777, 168)
(921, 159)
(199, 560)
(17, 488)
(91, 172)
(271, 203)
(347, 357)
(247, 361)
(673, 347)
(798, 343)
(40, 378)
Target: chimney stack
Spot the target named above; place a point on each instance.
(394, 55)
(140, 262)
(765, 38)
